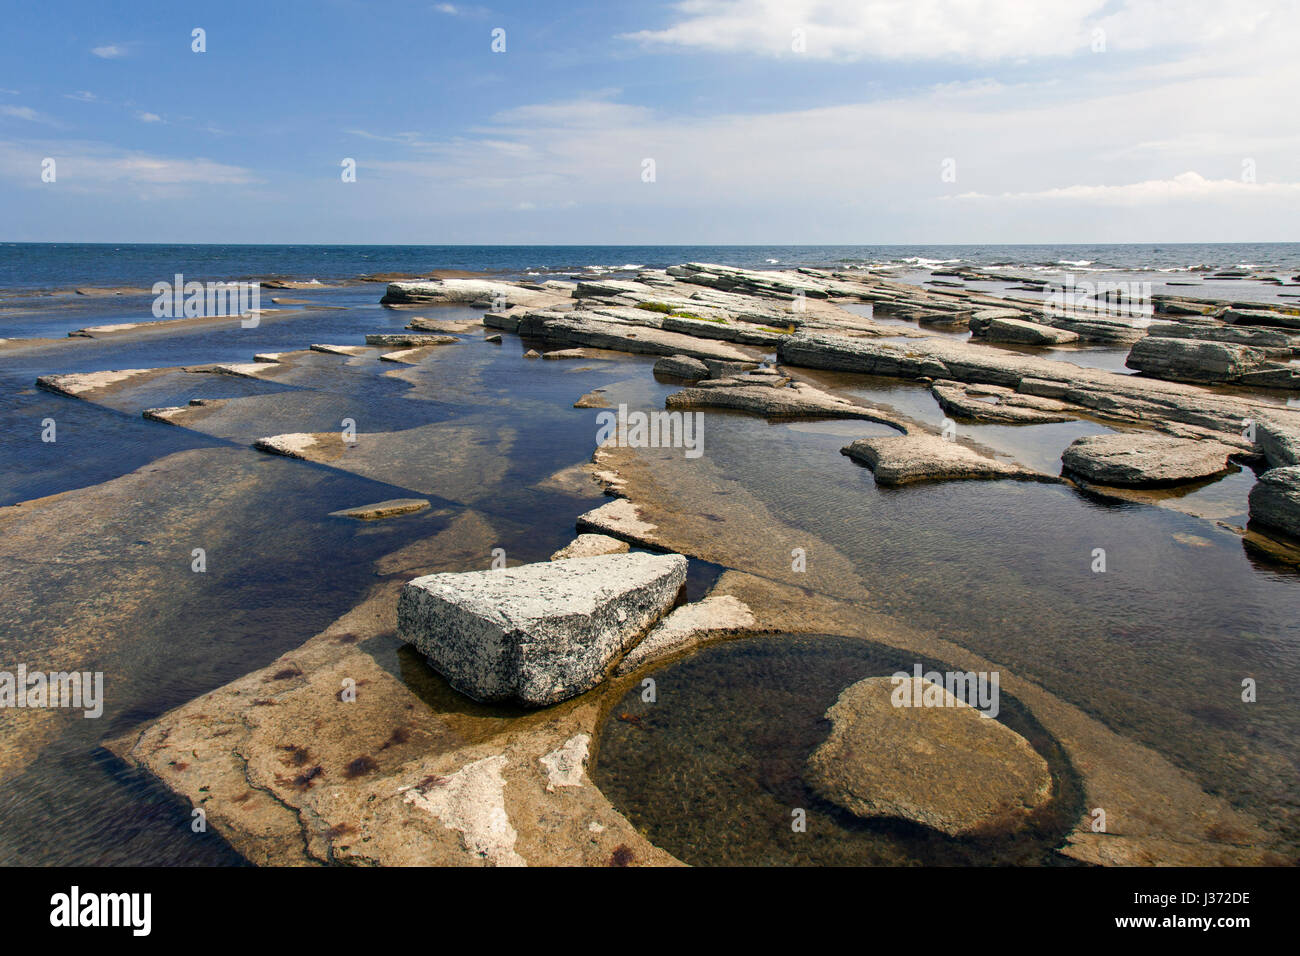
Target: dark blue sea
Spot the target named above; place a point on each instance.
(61, 266)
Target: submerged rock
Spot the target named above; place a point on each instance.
(540, 633)
(383, 509)
(943, 765)
(902, 459)
(1141, 458)
(1275, 500)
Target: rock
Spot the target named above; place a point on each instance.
(408, 340)
(621, 519)
(78, 383)
(1020, 332)
(1280, 444)
(1141, 458)
(383, 509)
(495, 338)
(774, 397)
(947, 767)
(687, 626)
(681, 366)
(1275, 500)
(340, 349)
(595, 330)
(560, 354)
(532, 354)
(901, 459)
(592, 399)
(540, 633)
(994, 403)
(451, 290)
(1258, 338)
(1194, 360)
(1235, 316)
(590, 546)
(305, 446)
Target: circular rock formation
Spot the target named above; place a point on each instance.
(1136, 458)
(945, 765)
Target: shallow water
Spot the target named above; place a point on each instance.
(714, 769)
(1156, 645)
(280, 569)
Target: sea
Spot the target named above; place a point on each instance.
(59, 266)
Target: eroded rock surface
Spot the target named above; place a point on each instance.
(1275, 500)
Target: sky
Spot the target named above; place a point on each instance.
(704, 121)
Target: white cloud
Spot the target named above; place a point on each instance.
(110, 51)
(21, 112)
(93, 166)
(82, 96)
(148, 117)
(1188, 186)
(976, 30)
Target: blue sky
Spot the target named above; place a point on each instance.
(769, 121)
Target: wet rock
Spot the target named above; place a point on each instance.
(1279, 443)
(80, 382)
(590, 546)
(681, 366)
(305, 446)
(340, 349)
(1275, 500)
(1142, 458)
(773, 397)
(540, 633)
(1020, 332)
(532, 354)
(592, 399)
(495, 338)
(1194, 360)
(1267, 317)
(993, 403)
(686, 627)
(408, 340)
(945, 766)
(383, 509)
(560, 354)
(902, 459)
(1257, 338)
(622, 519)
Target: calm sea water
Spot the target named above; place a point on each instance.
(50, 266)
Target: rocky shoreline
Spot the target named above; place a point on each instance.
(325, 756)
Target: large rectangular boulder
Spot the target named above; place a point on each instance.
(539, 633)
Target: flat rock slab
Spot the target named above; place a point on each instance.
(1275, 500)
(995, 403)
(945, 765)
(1020, 332)
(540, 633)
(681, 366)
(1139, 458)
(408, 340)
(1194, 360)
(902, 459)
(773, 397)
(686, 627)
(383, 509)
(590, 546)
